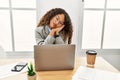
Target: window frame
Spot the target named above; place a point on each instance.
(79, 49)
(80, 33)
(12, 27)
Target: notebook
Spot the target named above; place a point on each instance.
(84, 73)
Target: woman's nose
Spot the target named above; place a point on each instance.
(57, 22)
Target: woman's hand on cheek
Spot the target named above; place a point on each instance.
(58, 29)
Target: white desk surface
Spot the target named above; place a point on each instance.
(58, 75)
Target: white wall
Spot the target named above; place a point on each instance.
(73, 8)
(113, 60)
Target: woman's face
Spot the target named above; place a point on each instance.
(57, 21)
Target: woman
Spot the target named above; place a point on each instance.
(55, 27)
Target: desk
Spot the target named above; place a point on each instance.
(58, 75)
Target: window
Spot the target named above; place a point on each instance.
(5, 30)
(23, 3)
(101, 24)
(92, 29)
(4, 3)
(113, 4)
(94, 3)
(17, 24)
(112, 30)
(24, 26)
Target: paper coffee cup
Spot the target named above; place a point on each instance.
(91, 57)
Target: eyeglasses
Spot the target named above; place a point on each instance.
(58, 21)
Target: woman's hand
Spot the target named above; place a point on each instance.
(59, 29)
(56, 30)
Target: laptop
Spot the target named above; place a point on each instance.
(54, 57)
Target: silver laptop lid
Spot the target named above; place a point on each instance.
(54, 57)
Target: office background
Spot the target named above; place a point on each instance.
(96, 25)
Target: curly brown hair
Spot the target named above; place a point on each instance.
(68, 28)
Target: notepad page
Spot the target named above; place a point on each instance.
(84, 73)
